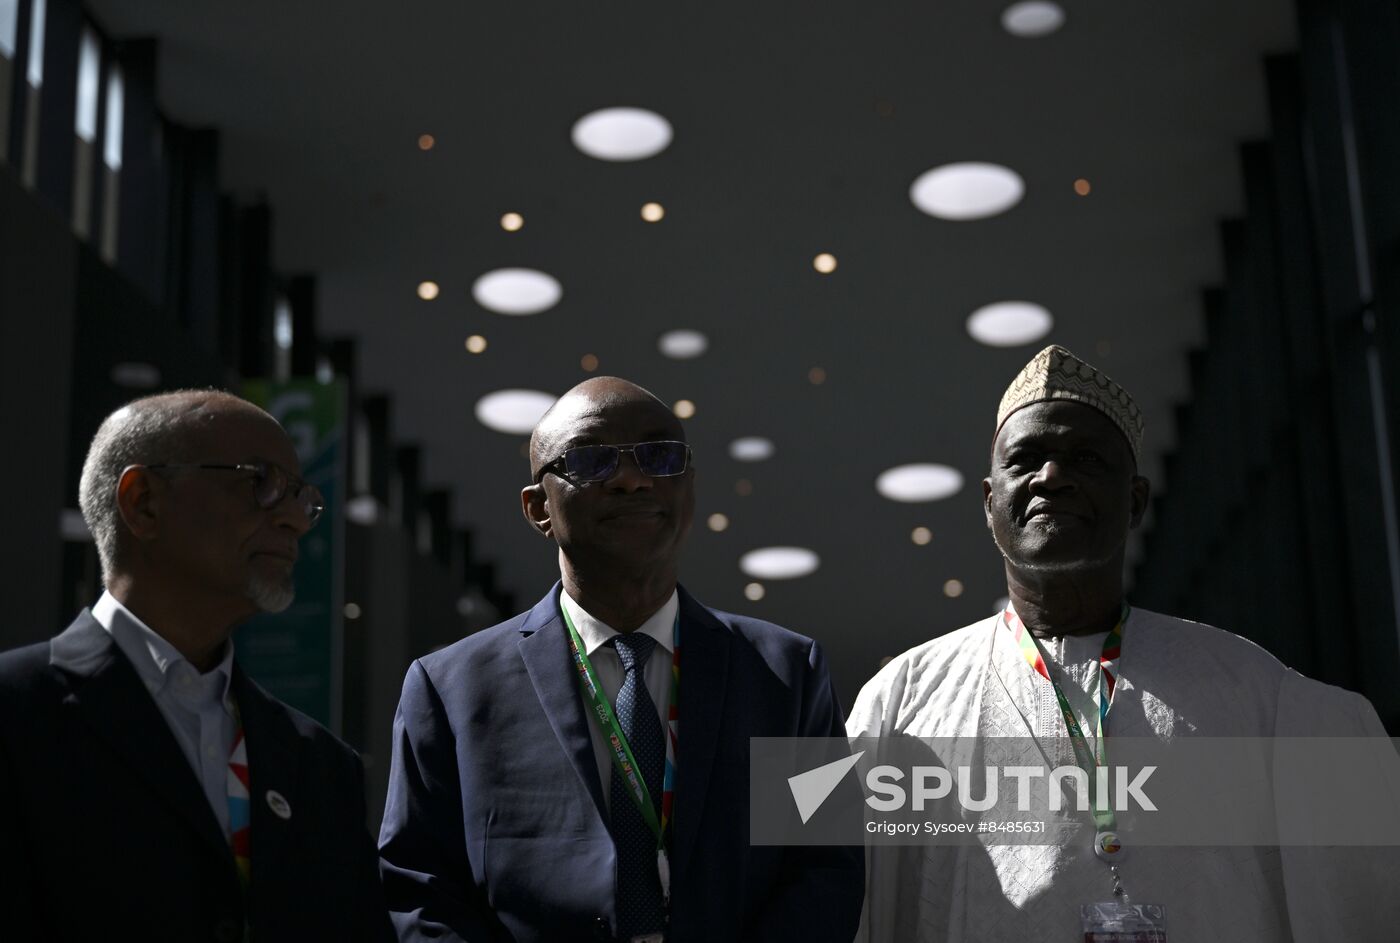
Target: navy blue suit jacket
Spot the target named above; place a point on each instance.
(107, 834)
(495, 827)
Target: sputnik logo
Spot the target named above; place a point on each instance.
(812, 788)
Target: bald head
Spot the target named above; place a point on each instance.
(586, 402)
(165, 428)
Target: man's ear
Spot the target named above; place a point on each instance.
(1142, 494)
(987, 501)
(535, 505)
(137, 502)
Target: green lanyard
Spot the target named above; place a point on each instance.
(1089, 760)
(624, 764)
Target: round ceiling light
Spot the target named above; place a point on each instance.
(1009, 323)
(513, 411)
(968, 190)
(751, 449)
(921, 482)
(683, 344)
(517, 291)
(779, 563)
(136, 376)
(1033, 18)
(622, 134)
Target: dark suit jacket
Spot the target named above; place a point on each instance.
(107, 834)
(495, 826)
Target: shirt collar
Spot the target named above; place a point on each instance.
(595, 633)
(150, 654)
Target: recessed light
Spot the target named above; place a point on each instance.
(622, 134)
(517, 291)
(135, 375)
(968, 190)
(953, 589)
(512, 222)
(476, 344)
(816, 376)
(512, 411)
(352, 611)
(743, 487)
(717, 522)
(825, 263)
(1033, 18)
(588, 362)
(682, 344)
(919, 482)
(921, 536)
(72, 526)
(779, 563)
(362, 509)
(1009, 323)
(751, 449)
(683, 409)
(426, 142)
(653, 212)
(753, 592)
(428, 290)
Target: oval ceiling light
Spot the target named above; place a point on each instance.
(517, 291)
(967, 190)
(683, 344)
(622, 134)
(1033, 18)
(136, 376)
(751, 449)
(919, 482)
(1009, 323)
(513, 411)
(779, 563)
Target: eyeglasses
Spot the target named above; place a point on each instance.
(599, 462)
(271, 483)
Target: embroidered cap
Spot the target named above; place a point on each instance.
(1055, 374)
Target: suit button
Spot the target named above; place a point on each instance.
(226, 931)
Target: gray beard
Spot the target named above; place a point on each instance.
(270, 595)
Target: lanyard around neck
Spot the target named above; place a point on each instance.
(1105, 680)
(624, 764)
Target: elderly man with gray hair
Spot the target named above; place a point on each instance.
(150, 788)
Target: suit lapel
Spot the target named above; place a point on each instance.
(704, 671)
(544, 648)
(106, 693)
(273, 772)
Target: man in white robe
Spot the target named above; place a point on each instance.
(1061, 496)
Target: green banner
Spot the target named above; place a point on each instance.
(297, 654)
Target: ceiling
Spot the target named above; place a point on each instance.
(798, 130)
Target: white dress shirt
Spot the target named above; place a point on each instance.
(198, 707)
(603, 657)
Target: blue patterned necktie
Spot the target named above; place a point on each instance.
(639, 906)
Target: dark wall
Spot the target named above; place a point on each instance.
(1278, 516)
(38, 266)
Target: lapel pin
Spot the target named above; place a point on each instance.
(278, 804)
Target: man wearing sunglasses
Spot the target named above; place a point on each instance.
(151, 789)
(580, 772)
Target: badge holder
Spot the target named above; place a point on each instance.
(1121, 922)
(1118, 920)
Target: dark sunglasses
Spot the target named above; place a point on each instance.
(599, 462)
(271, 483)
